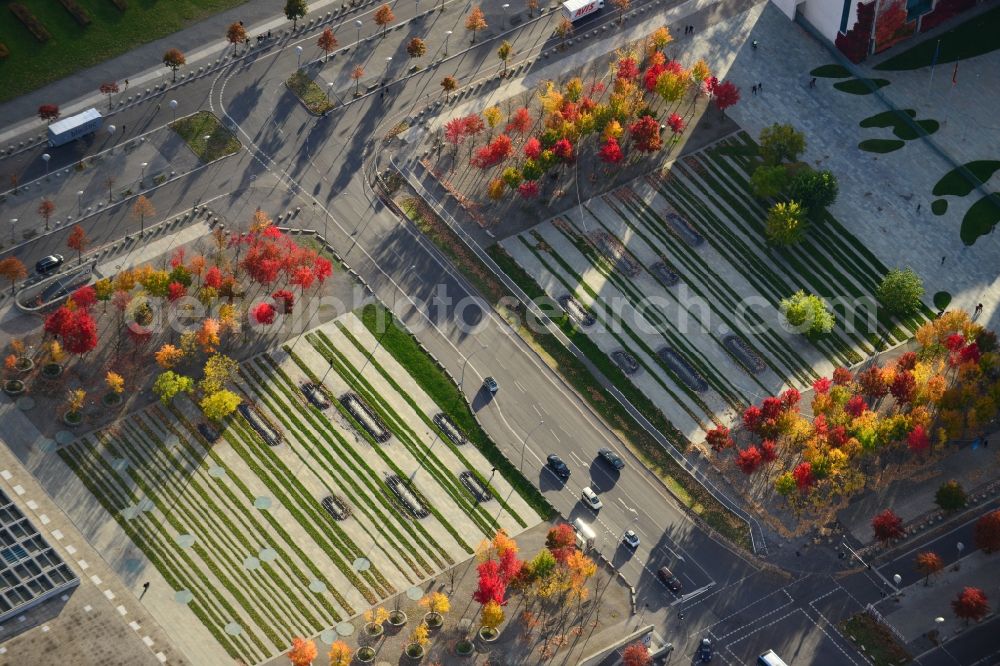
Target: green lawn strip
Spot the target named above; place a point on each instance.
(374, 481)
(421, 452)
(597, 309)
(195, 438)
(956, 184)
(392, 543)
(666, 328)
(237, 518)
(981, 218)
(975, 36)
(310, 94)
(321, 349)
(594, 354)
(229, 544)
(195, 128)
(297, 500)
(877, 641)
(860, 86)
(830, 72)
(881, 146)
(754, 230)
(403, 347)
(433, 426)
(710, 283)
(86, 467)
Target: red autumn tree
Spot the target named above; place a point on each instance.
(175, 290)
(918, 440)
(790, 398)
(490, 586)
(970, 604)
(855, 406)
(752, 418)
(719, 438)
(454, 132)
(78, 241)
(473, 124)
(887, 526)
(768, 451)
(907, 361)
(611, 151)
(55, 323)
(987, 532)
(628, 69)
(533, 148)
(653, 73)
(528, 189)
(85, 297)
(263, 313)
(804, 477)
(872, 383)
(520, 122)
(749, 459)
(676, 123)
(302, 277)
(563, 149)
(636, 654)
(302, 652)
(327, 42)
(285, 300)
(322, 268)
(510, 565)
(213, 277)
(561, 541)
(645, 134)
(79, 334)
(842, 376)
(109, 89)
(822, 385)
(904, 387)
(726, 94)
(48, 112)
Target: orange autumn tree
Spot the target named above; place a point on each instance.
(302, 652)
(340, 654)
(475, 21)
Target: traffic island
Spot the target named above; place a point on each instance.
(311, 95)
(206, 136)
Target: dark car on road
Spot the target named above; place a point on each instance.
(612, 458)
(49, 264)
(558, 467)
(672, 582)
(491, 385)
(705, 651)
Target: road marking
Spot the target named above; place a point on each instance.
(554, 435)
(518, 385)
(694, 594)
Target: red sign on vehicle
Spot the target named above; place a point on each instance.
(586, 9)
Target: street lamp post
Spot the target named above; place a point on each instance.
(524, 442)
(358, 24)
(298, 58)
(505, 8)
(13, 223)
(142, 172)
(388, 61)
(446, 36)
(896, 580)
(173, 107)
(79, 203)
(960, 547)
(465, 363)
(329, 87)
(45, 158)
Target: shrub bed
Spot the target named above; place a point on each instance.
(366, 417)
(78, 13)
(260, 423)
(449, 428)
(576, 311)
(408, 496)
(478, 490)
(34, 26)
(744, 354)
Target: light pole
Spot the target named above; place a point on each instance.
(505, 8)
(13, 223)
(298, 58)
(896, 580)
(446, 36)
(142, 172)
(329, 87)
(173, 107)
(45, 158)
(960, 547)
(524, 442)
(465, 363)
(79, 203)
(358, 24)
(388, 61)
(111, 130)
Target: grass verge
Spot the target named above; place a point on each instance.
(860, 86)
(955, 182)
(878, 642)
(981, 217)
(650, 452)
(830, 72)
(206, 136)
(310, 94)
(881, 145)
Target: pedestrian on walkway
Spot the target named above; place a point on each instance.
(754, 90)
(942, 260)
(753, 45)
(126, 84)
(979, 310)
(812, 84)
(760, 87)
(269, 34)
(986, 443)
(918, 207)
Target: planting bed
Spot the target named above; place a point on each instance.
(364, 415)
(449, 428)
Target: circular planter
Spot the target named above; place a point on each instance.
(373, 631)
(364, 655)
(414, 651)
(397, 618)
(72, 418)
(24, 364)
(464, 648)
(112, 399)
(433, 620)
(52, 370)
(488, 635)
(13, 387)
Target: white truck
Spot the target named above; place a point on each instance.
(68, 129)
(575, 10)
(585, 535)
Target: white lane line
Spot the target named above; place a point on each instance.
(693, 594)
(518, 385)
(576, 458)
(554, 435)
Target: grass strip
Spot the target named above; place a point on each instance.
(206, 136)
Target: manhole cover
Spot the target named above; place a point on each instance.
(328, 636)
(146, 504)
(345, 629)
(63, 436)
(415, 593)
(362, 564)
(119, 464)
(26, 403)
(46, 445)
(130, 512)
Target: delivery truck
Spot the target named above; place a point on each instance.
(585, 535)
(575, 10)
(68, 129)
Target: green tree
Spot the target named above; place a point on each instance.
(815, 189)
(294, 10)
(951, 496)
(219, 370)
(785, 484)
(504, 53)
(785, 223)
(769, 181)
(169, 384)
(900, 291)
(809, 314)
(781, 142)
(220, 404)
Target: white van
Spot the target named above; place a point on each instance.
(769, 658)
(585, 535)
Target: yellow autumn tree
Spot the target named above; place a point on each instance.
(493, 115)
(55, 352)
(115, 382)
(220, 404)
(74, 400)
(495, 189)
(700, 71)
(437, 604)
(659, 39)
(491, 616)
(219, 370)
(340, 654)
(374, 618)
(259, 221)
(551, 98)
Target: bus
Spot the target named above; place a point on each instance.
(769, 658)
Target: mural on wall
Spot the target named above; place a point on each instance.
(882, 24)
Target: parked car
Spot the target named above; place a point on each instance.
(667, 577)
(591, 499)
(491, 385)
(630, 539)
(558, 467)
(49, 264)
(611, 458)
(705, 651)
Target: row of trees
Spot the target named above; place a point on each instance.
(940, 392)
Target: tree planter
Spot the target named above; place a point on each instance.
(112, 399)
(13, 387)
(464, 648)
(397, 618)
(488, 635)
(24, 364)
(364, 655)
(414, 651)
(373, 632)
(433, 620)
(72, 418)
(52, 370)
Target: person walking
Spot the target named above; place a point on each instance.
(812, 83)
(754, 90)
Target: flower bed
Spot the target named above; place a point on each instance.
(315, 395)
(449, 428)
(78, 13)
(625, 361)
(665, 273)
(683, 369)
(576, 311)
(744, 354)
(407, 496)
(337, 507)
(34, 26)
(366, 417)
(613, 249)
(259, 422)
(475, 487)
